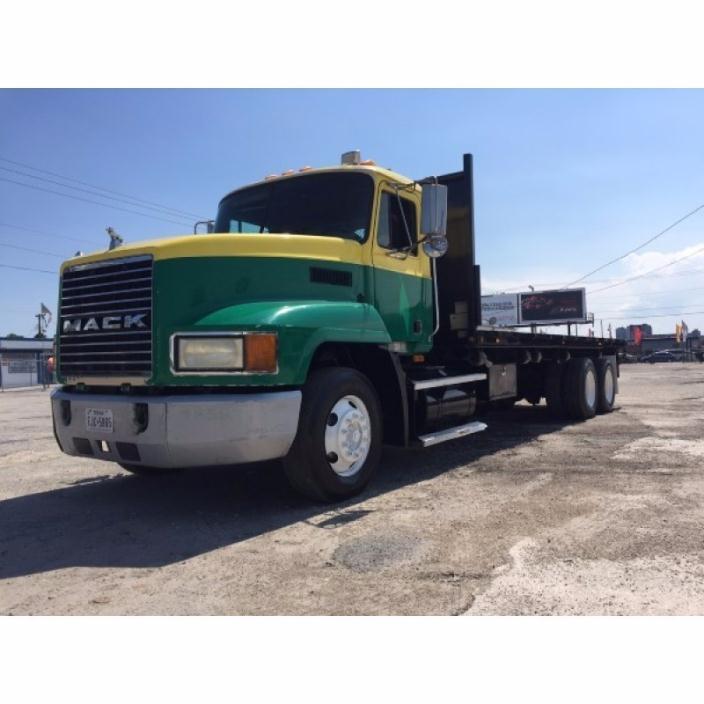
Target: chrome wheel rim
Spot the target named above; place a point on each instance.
(348, 435)
(590, 388)
(609, 385)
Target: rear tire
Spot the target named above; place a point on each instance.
(606, 385)
(580, 388)
(554, 397)
(338, 444)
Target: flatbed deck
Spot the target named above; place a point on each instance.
(504, 338)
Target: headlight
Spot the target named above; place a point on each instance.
(209, 353)
(254, 352)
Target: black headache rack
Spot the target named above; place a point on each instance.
(459, 279)
(460, 334)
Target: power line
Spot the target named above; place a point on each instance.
(29, 268)
(34, 251)
(100, 188)
(639, 311)
(640, 246)
(94, 202)
(44, 234)
(647, 273)
(90, 192)
(684, 272)
(658, 293)
(513, 289)
(660, 315)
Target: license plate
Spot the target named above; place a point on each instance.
(99, 420)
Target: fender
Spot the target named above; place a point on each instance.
(302, 326)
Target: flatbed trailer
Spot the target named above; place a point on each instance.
(326, 312)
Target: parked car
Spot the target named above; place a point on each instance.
(662, 356)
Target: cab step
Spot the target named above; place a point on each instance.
(458, 431)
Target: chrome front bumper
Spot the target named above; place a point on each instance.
(182, 430)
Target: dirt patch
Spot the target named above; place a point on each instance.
(376, 552)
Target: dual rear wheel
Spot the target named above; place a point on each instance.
(581, 388)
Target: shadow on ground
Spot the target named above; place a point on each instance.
(119, 520)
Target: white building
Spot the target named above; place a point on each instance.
(23, 361)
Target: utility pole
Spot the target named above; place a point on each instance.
(601, 322)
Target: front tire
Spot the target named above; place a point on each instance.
(338, 444)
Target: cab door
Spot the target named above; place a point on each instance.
(402, 284)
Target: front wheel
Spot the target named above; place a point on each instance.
(338, 444)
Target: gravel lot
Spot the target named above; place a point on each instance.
(530, 517)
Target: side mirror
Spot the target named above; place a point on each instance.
(433, 219)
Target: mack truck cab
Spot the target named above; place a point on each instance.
(327, 311)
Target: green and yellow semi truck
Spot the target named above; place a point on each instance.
(326, 312)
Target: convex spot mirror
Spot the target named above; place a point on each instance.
(435, 247)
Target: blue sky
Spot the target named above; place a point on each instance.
(565, 180)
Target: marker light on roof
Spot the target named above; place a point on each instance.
(288, 172)
(270, 176)
(305, 168)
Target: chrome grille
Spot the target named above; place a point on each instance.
(105, 327)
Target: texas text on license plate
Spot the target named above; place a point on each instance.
(99, 419)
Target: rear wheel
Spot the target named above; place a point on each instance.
(606, 385)
(580, 388)
(554, 396)
(338, 445)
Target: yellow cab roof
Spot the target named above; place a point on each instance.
(379, 172)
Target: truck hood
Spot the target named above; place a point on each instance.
(334, 249)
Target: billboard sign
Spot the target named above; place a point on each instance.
(553, 307)
(535, 308)
(501, 310)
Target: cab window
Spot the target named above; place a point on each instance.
(392, 232)
(333, 204)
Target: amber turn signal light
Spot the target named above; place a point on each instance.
(260, 352)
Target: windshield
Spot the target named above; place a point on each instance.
(333, 204)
